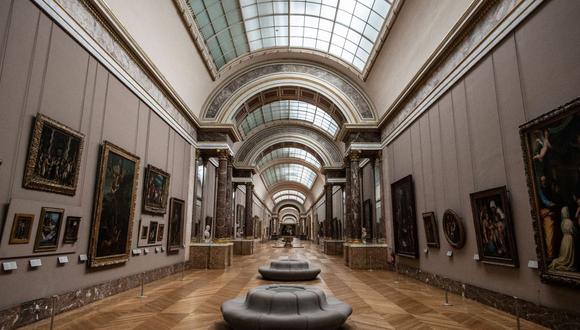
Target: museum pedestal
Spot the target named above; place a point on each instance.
(333, 247)
(211, 255)
(366, 256)
(243, 247)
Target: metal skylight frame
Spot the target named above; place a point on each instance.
(289, 194)
(289, 152)
(289, 172)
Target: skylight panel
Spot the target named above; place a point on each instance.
(290, 152)
(289, 173)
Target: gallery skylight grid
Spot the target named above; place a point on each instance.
(289, 152)
(294, 193)
(345, 29)
(289, 110)
(288, 197)
(289, 172)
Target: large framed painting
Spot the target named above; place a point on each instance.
(494, 229)
(71, 230)
(21, 228)
(48, 231)
(155, 190)
(175, 226)
(453, 229)
(431, 229)
(54, 157)
(404, 219)
(114, 207)
(551, 147)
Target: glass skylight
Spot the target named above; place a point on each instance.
(289, 194)
(346, 29)
(289, 110)
(289, 152)
(289, 172)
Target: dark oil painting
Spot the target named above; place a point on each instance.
(175, 227)
(48, 231)
(404, 219)
(155, 190)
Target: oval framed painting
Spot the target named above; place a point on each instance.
(453, 229)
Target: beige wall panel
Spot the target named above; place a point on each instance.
(141, 137)
(417, 170)
(449, 153)
(437, 160)
(548, 51)
(402, 156)
(5, 15)
(427, 166)
(121, 109)
(158, 146)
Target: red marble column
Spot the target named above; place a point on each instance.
(356, 216)
(347, 204)
(328, 208)
(249, 216)
(221, 231)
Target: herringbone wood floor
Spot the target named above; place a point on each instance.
(380, 299)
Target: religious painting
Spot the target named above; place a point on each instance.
(152, 236)
(21, 228)
(453, 229)
(54, 157)
(431, 229)
(48, 231)
(494, 231)
(160, 232)
(114, 206)
(175, 226)
(144, 232)
(155, 190)
(551, 145)
(404, 219)
(71, 230)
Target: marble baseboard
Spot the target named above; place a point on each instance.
(244, 247)
(333, 247)
(366, 256)
(548, 317)
(38, 309)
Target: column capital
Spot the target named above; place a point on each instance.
(249, 185)
(223, 154)
(354, 155)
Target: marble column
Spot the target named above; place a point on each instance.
(221, 231)
(347, 204)
(382, 229)
(249, 216)
(229, 203)
(328, 208)
(356, 216)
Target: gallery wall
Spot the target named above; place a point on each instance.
(45, 71)
(469, 141)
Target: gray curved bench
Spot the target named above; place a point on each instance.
(288, 307)
(289, 270)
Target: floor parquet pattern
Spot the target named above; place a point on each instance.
(380, 299)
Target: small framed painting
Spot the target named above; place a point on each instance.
(160, 232)
(453, 229)
(71, 230)
(152, 236)
(21, 228)
(155, 190)
(431, 229)
(144, 232)
(48, 231)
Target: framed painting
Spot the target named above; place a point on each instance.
(21, 228)
(160, 232)
(494, 229)
(71, 230)
(551, 148)
(48, 231)
(152, 236)
(54, 157)
(175, 226)
(144, 232)
(404, 219)
(114, 207)
(431, 229)
(155, 190)
(368, 218)
(453, 229)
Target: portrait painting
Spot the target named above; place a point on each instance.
(54, 157)
(71, 230)
(494, 230)
(48, 231)
(144, 232)
(404, 219)
(551, 146)
(152, 236)
(160, 232)
(114, 206)
(21, 228)
(175, 226)
(453, 229)
(431, 229)
(155, 190)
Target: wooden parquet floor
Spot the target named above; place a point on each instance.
(380, 299)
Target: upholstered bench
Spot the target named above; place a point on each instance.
(289, 270)
(280, 306)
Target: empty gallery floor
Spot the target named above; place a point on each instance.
(417, 160)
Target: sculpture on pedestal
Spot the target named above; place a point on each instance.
(207, 234)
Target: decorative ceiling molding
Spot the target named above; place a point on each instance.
(92, 25)
(482, 28)
(230, 95)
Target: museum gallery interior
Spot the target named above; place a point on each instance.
(289, 164)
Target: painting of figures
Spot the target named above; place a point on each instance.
(114, 206)
(54, 157)
(404, 221)
(175, 228)
(494, 231)
(21, 228)
(155, 190)
(551, 146)
(48, 230)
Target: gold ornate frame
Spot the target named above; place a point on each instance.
(13, 240)
(149, 207)
(106, 149)
(174, 248)
(37, 247)
(30, 180)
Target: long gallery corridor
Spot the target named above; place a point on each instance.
(380, 299)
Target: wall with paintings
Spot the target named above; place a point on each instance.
(469, 142)
(45, 71)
